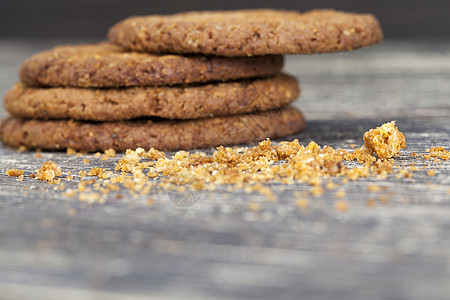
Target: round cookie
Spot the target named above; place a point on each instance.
(160, 134)
(108, 65)
(174, 102)
(248, 32)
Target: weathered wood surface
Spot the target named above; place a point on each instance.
(217, 248)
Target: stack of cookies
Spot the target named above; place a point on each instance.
(184, 81)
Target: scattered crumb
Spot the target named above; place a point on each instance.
(22, 149)
(70, 151)
(317, 191)
(383, 199)
(374, 188)
(38, 153)
(431, 173)
(341, 205)
(252, 169)
(110, 152)
(14, 172)
(302, 203)
(48, 171)
(340, 194)
(370, 202)
(254, 206)
(386, 141)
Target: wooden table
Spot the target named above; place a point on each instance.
(218, 248)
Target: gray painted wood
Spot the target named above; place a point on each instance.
(217, 248)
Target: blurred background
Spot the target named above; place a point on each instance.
(400, 19)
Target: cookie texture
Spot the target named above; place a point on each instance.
(108, 65)
(160, 134)
(174, 102)
(248, 32)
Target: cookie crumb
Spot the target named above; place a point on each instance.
(48, 171)
(340, 194)
(38, 153)
(71, 151)
(386, 141)
(341, 205)
(254, 207)
(373, 188)
(14, 172)
(302, 203)
(370, 202)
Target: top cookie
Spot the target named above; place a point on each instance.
(248, 32)
(108, 65)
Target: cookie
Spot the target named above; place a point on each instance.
(248, 32)
(108, 65)
(174, 102)
(160, 134)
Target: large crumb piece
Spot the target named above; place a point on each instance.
(48, 171)
(386, 141)
(14, 172)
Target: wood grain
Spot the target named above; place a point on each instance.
(219, 249)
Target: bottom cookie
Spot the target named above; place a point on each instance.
(159, 134)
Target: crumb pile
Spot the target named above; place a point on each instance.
(129, 92)
(143, 172)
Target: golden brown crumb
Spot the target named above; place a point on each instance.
(386, 141)
(373, 188)
(86, 161)
(99, 172)
(150, 201)
(110, 152)
(302, 203)
(431, 173)
(340, 194)
(38, 153)
(438, 152)
(330, 185)
(383, 199)
(70, 151)
(14, 172)
(251, 169)
(254, 206)
(341, 205)
(22, 149)
(317, 191)
(370, 202)
(48, 171)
